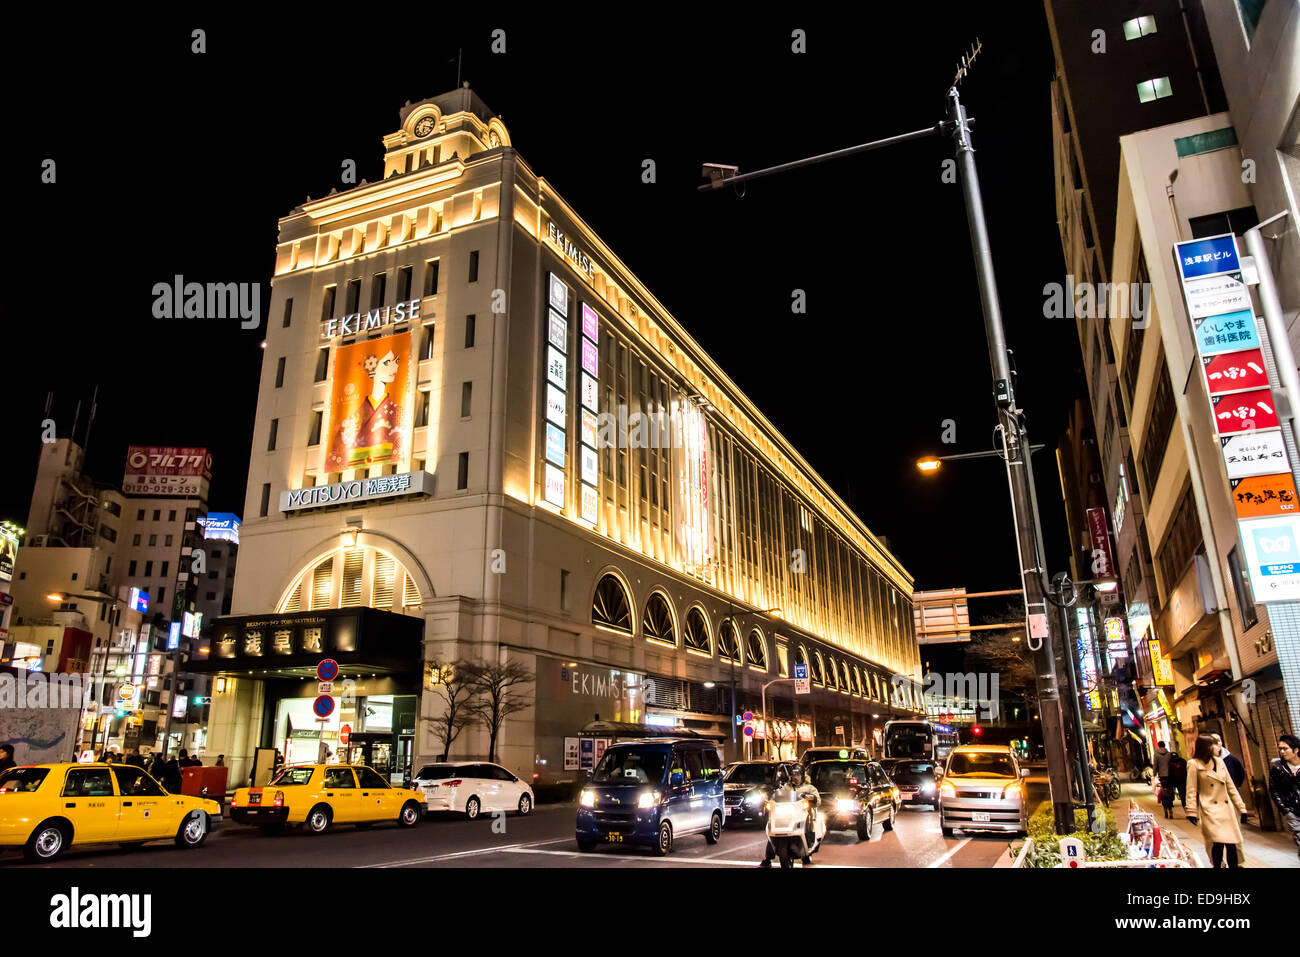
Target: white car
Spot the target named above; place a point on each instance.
(472, 789)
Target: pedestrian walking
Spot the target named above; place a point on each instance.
(7, 757)
(221, 761)
(1213, 804)
(1236, 770)
(1163, 755)
(171, 776)
(1178, 777)
(1284, 783)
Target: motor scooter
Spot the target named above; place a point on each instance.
(787, 829)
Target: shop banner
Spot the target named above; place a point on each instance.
(372, 398)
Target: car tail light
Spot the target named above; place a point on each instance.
(453, 784)
(853, 781)
(279, 799)
(234, 799)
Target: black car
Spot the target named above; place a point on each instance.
(746, 788)
(855, 794)
(833, 754)
(916, 780)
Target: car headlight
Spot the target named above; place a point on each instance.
(927, 788)
(752, 800)
(648, 799)
(947, 789)
(1012, 790)
(846, 804)
(587, 799)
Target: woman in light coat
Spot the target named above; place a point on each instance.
(1214, 804)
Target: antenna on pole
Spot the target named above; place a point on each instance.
(458, 53)
(967, 60)
(94, 400)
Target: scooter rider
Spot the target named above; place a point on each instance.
(793, 788)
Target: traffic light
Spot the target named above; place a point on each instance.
(977, 731)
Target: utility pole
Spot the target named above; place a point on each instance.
(1011, 426)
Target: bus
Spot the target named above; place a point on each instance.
(919, 739)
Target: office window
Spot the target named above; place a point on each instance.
(422, 409)
(322, 364)
(1156, 89)
(378, 289)
(1160, 425)
(317, 421)
(1231, 221)
(148, 569)
(167, 541)
(1241, 585)
(564, 589)
(473, 265)
(462, 471)
(466, 397)
(153, 540)
(431, 277)
(1182, 541)
(275, 431)
(157, 514)
(162, 596)
(426, 342)
(266, 500)
(419, 465)
(404, 283)
(279, 372)
(327, 303)
(139, 515)
(211, 596)
(352, 299)
(130, 569)
(135, 540)
(1139, 27)
(469, 331)
(165, 566)
(288, 311)
(171, 515)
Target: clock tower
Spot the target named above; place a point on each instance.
(455, 125)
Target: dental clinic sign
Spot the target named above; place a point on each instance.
(359, 491)
(1232, 344)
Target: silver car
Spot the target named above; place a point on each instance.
(983, 789)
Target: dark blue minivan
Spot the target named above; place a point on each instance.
(652, 792)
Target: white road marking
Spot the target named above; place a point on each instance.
(943, 860)
(456, 854)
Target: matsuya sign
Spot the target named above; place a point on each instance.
(361, 490)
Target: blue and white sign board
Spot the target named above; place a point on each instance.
(1215, 295)
(1205, 257)
(1273, 557)
(1232, 332)
(801, 682)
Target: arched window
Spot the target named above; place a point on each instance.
(845, 684)
(857, 679)
(657, 622)
(818, 671)
(728, 642)
(352, 578)
(610, 607)
(801, 657)
(756, 650)
(832, 674)
(697, 632)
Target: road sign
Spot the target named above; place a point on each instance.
(324, 687)
(323, 706)
(749, 731)
(839, 729)
(327, 670)
(801, 683)
(749, 716)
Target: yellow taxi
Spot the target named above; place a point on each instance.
(47, 808)
(318, 795)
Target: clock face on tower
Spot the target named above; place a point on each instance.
(424, 126)
(493, 139)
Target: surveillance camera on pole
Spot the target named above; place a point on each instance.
(718, 173)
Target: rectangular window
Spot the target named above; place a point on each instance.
(469, 331)
(462, 471)
(422, 409)
(162, 596)
(1160, 424)
(1155, 89)
(139, 515)
(431, 277)
(327, 303)
(322, 364)
(317, 421)
(426, 342)
(1241, 585)
(130, 569)
(279, 372)
(157, 514)
(148, 569)
(1139, 27)
(265, 507)
(404, 283)
(135, 540)
(378, 289)
(466, 396)
(1182, 541)
(167, 541)
(153, 540)
(275, 431)
(288, 311)
(165, 566)
(171, 515)
(473, 265)
(352, 299)
(564, 589)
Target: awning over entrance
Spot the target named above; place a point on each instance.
(362, 640)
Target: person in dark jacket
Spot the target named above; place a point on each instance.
(171, 776)
(1178, 777)
(1236, 770)
(7, 757)
(1284, 783)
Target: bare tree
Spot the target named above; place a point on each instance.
(453, 684)
(496, 689)
(998, 651)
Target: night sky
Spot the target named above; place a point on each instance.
(170, 162)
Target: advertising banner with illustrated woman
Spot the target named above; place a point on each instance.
(371, 403)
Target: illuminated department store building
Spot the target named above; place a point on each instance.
(437, 474)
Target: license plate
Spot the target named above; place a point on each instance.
(980, 817)
(613, 838)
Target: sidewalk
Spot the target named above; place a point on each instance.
(1261, 848)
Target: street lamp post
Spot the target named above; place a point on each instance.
(98, 681)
